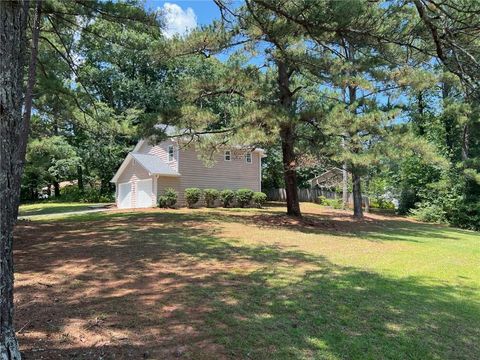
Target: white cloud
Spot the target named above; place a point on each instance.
(177, 20)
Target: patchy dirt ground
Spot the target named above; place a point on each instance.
(111, 289)
(179, 284)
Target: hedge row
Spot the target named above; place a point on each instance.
(242, 197)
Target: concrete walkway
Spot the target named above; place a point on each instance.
(79, 212)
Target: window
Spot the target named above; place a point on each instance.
(228, 155)
(248, 158)
(170, 153)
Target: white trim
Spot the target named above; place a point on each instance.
(121, 168)
(229, 155)
(168, 153)
(138, 146)
(248, 155)
(118, 200)
(260, 172)
(125, 164)
(178, 157)
(149, 193)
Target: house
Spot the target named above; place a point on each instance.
(328, 180)
(151, 168)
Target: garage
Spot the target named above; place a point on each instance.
(143, 194)
(135, 183)
(124, 195)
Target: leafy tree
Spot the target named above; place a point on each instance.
(50, 161)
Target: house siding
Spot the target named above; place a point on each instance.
(132, 173)
(161, 150)
(235, 174)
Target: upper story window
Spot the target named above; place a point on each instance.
(171, 153)
(227, 155)
(248, 158)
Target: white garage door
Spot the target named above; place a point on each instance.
(125, 195)
(144, 193)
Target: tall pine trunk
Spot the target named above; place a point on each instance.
(287, 135)
(344, 186)
(357, 195)
(13, 22)
(289, 171)
(56, 189)
(80, 177)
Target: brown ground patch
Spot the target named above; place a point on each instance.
(135, 286)
(115, 289)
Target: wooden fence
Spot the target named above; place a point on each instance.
(309, 195)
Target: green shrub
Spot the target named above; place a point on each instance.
(243, 197)
(429, 212)
(334, 203)
(210, 195)
(162, 201)
(168, 199)
(192, 196)
(259, 199)
(72, 193)
(321, 200)
(379, 203)
(466, 215)
(227, 196)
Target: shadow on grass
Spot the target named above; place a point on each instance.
(166, 286)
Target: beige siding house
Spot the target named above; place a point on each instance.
(149, 169)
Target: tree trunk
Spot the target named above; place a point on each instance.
(465, 142)
(289, 172)
(80, 177)
(32, 67)
(344, 186)
(13, 22)
(357, 195)
(56, 189)
(287, 135)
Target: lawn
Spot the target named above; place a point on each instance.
(245, 284)
(48, 208)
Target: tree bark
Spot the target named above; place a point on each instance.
(56, 189)
(287, 135)
(32, 69)
(357, 195)
(80, 177)
(13, 23)
(465, 142)
(289, 171)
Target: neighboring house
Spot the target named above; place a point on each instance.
(149, 169)
(328, 180)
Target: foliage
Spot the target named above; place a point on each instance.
(49, 160)
(162, 202)
(259, 199)
(227, 196)
(210, 196)
(334, 203)
(243, 197)
(380, 203)
(72, 193)
(429, 212)
(192, 196)
(168, 199)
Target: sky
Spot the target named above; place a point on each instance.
(182, 15)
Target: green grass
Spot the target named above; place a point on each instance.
(47, 208)
(383, 289)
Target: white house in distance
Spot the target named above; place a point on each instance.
(149, 169)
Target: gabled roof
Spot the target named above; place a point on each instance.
(329, 178)
(153, 164)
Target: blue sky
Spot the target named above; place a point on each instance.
(184, 14)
